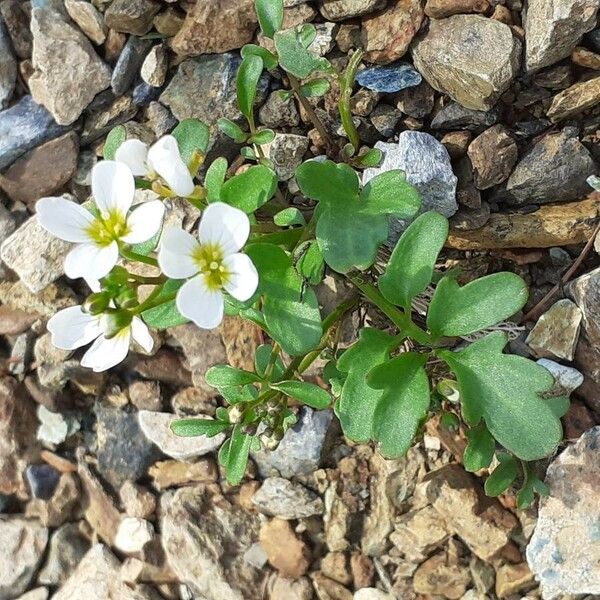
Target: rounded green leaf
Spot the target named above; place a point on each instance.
(225, 376)
(192, 135)
(288, 217)
(327, 181)
(315, 88)
(268, 58)
(214, 179)
(482, 303)
(270, 16)
(248, 75)
(390, 194)
(308, 393)
(116, 136)
(410, 268)
(232, 130)
(251, 189)
(480, 449)
(264, 136)
(502, 476)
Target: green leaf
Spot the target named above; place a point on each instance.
(264, 136)
(372, 158)
(479, 304)
(288, 217)
(294, 57)
(531, 485)
(307, 33)
(390, 194)
(248, 153)
(248, 75)
(502, 476)
(221, 376)
(251, 189)
(311, 264)
(214, 179)
(505, 391)
(235, 394)
(147, 247)
(329, 181)
(165, 315)
(291, 312)
(261, 361)
(232, 130)
(268, 58)
(480, 449)
(411, 265)
(192, 135)
(270, 16)
(559, 405)
(197, 427)
(315, 88)
(308, 393)
(116, 136)
(236, 458)
(403, 405)
(358, 401)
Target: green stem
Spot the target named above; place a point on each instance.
(131, 255)
(346, 81)
(402, 320)
(148, 280)
(149, 302)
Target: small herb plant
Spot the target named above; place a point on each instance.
(256, 255)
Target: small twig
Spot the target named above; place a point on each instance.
(538, 309)
(385, 580)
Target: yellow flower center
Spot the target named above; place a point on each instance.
(104, 231)
(209, 258)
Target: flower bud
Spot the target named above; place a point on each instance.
(115, 322)
(96, 303)
(127, 299)
(118, 276)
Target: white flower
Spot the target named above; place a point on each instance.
(73, 328)
(98, 237)
(163, 158)
(213, 261)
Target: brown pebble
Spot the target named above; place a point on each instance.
(363, 570)
(586, 58)
(502, 14)
(440, 9)
(457, 142)
(285, 551)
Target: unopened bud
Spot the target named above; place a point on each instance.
(96, 303)
(118, 276)
(115, 322)
(127, 299)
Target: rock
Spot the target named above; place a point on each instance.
(16, 19)
(281, 498)
(168, 22)
(299, 453)
(440, 9)
(551, 226)
(416, 101)
(68, 72)
(8, 67)
(467, 218)
(439, 576)
(554, 27)
(13, 322)
(128, 65)
(40, 593)
(371, 594)
(418, 533)
(493, 155)
(23, 127)
(513, 579)
(41, 171)
(470, 58)
(137, 501)
(566, 379)
(363, 570)
(205, 544)
(276, 112)
(324, 40)
(557, 331)
(281, 588)
(565, 548)
(338, 10)
(131, 16)
(67, 546)
(585, 58)
(455, 116)
(387, 35)
(479, 521)
(427, 166)
(216, 26)
(154, 68)
(555, 169)
(286, 152)
(173, 473)
(285, 551)
(55, 511)
(42, 480)
(389, 78)
(328, 589)
(23, 543)
(574, 100)
(156, 428)
(123, 450)
(97, 577)
(335, 566)
(385, 118)
(133, 534)
(17, 436)
(89, 19)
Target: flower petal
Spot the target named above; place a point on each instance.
(224, 225)
(134, 154)
(91, 261)
(72, 328)
(199, 304)
(113, 187)
(175, 253)
(144, 221)
(106, 353)
(64, 219)
(243, 276)
(141, 334)
(165, 159)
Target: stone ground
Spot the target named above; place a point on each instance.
(493, 112)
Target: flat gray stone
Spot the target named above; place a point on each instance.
(566, 379)
(8, 66)
(279, 497)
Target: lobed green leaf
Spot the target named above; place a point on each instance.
(390, 194)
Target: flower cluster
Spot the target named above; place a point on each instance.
(106, 230)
